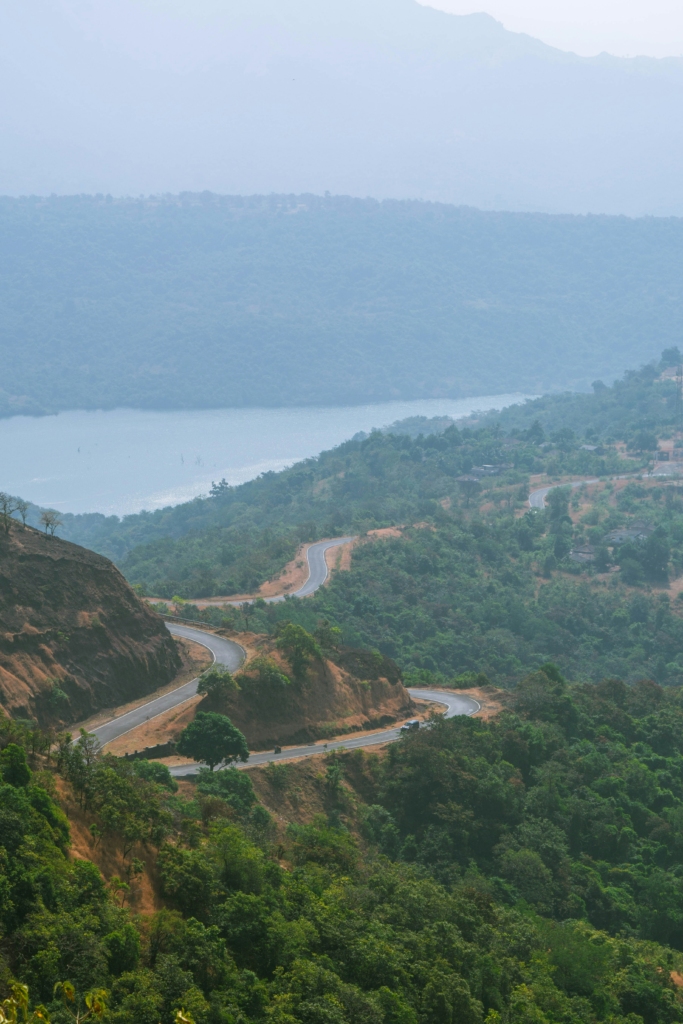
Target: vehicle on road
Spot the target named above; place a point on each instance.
(410, 726)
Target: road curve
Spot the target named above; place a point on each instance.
(225, 652)
(317, 571)
(537, 497)
(228, 653)
(456, 704)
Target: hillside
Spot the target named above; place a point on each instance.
(520, 871)
(340, 692)
(203, 301)
(385, 98)
(238, 537)
(462, 576)
(74, 637)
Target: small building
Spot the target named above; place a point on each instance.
(582, 553)
(638, 531)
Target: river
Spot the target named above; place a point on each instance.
(126, 460)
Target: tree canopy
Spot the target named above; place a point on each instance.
(126, 302)
(212, 739)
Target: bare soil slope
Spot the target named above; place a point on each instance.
(357, 690)
(74, 637)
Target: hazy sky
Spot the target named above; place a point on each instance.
(587, 27)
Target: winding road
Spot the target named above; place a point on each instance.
(537, 497)
(455, 703)
(225, 652)
(317, 573)
(228, 653)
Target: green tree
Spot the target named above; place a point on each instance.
(154, 771)
(217, 683)
(329, 637)
(298, 646)
(13, 766)
(213, 739)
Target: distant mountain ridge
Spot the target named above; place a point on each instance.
(385, 97)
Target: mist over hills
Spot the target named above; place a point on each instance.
(382, 97)
(209, 301)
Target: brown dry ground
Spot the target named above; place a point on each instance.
(330, 701)
(194, 660)
(69, 620)
(293, 791)
(107, 854)
(492, 700)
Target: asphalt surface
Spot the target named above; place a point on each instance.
(231, 655)
(317, 571)
(456, 704)
(537, 498)
(225, 652)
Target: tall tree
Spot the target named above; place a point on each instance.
(212, 739)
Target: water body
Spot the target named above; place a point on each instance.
(126, 460)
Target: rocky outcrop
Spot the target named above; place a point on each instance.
(74, 636)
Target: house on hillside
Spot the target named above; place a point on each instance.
(582, 553)
(638, 530)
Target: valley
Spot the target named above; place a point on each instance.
(334, 859)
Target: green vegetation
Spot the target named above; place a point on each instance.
(213, 739)
(298, 646)
(492, 597)
(209, 301)
(240, 536)
(478, 585)
(520, 871)
(638, 407)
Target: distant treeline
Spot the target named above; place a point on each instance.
(208, 301)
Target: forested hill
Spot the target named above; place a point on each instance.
(375, 481)
(481, 583)
(204, 301)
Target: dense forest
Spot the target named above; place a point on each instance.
(198, 301)
(520, 871)
(359, 485)
(474, 582)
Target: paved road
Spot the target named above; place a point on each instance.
(456, 704)
(317, 572)
(225, 652)
(317, 565)
(537, 498)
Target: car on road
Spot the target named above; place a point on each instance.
(410, 726)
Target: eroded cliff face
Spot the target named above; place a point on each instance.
(355, 691)
(74, 637)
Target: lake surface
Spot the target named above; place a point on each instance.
(125, 460)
